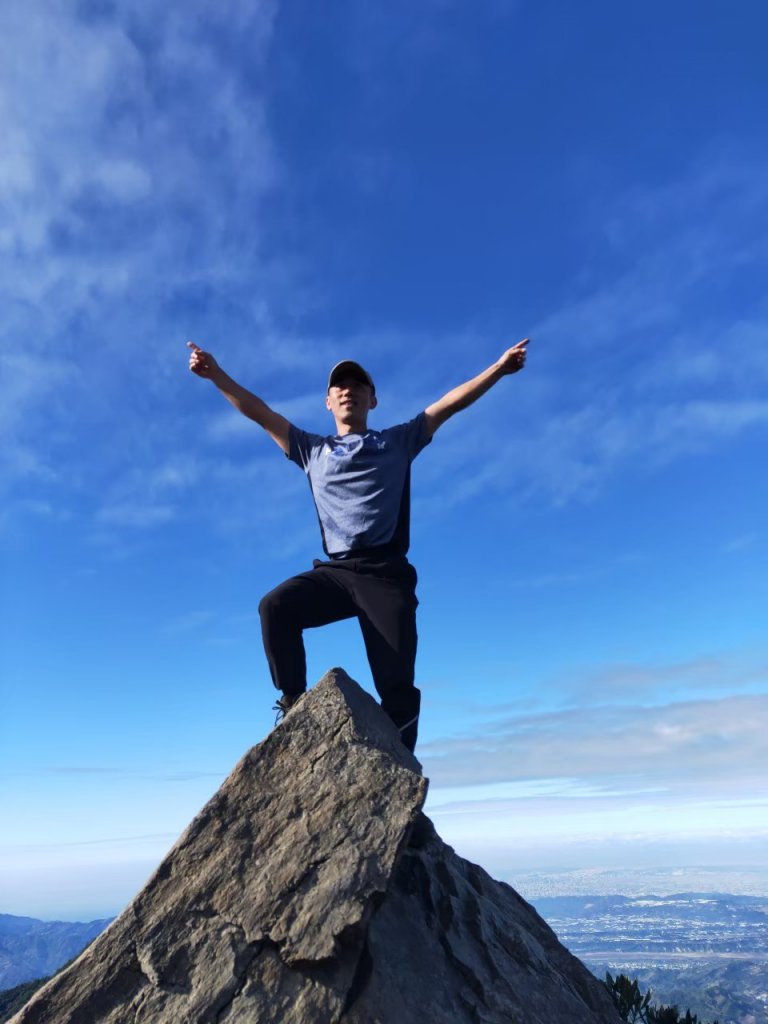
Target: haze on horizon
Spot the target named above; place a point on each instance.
(415, 187)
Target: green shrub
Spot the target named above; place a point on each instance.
(636, 1008)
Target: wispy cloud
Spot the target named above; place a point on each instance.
(130, 224)
(135, 514)
(229, 425)
(99, 771)
(119, 841)
(714, 747)
(97, 128)
(145, 497)
(726, 672)
(642, 369)
(128, 128)
(190, 622)
(743, 542)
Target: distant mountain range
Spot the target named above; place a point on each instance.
(706, 951)
(34, 949)
(703, 951)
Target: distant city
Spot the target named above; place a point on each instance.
(697, 937)
(738, 881)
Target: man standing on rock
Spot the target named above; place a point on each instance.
(360, 483)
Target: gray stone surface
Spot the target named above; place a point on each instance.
(450, 944)
(311, 890)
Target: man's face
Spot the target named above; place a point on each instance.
(350, 400)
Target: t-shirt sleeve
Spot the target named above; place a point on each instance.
(413, 436)
(302, 446)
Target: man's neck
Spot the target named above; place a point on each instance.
(342, 429)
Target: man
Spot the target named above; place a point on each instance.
(360, 483)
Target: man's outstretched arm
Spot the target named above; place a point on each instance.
(250, 405)
(465, 394)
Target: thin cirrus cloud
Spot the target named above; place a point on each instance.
(106, 113)
(642, 369)
(695, 744)
(725, 673)
(671, 246)
(120, 196)
(144, 497)
(228, 425)
(120, 189)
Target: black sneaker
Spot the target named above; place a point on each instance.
(285, 703)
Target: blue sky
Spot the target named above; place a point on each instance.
(415, 187)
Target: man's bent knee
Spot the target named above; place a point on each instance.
(278, 606)
(269, 605)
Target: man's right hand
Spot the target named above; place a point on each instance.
(250, 405)
(201, 363)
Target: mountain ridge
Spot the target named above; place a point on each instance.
(31, 948)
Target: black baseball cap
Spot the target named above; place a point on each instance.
(349, 368)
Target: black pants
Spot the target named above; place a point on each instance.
(382, 595)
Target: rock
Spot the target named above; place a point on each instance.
(450, 944)
(311, 890)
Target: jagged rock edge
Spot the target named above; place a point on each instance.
(364, 965)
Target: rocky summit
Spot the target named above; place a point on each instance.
(311, 889)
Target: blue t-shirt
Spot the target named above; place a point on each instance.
(360, 484)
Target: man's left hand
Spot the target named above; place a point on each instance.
(514, 358)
